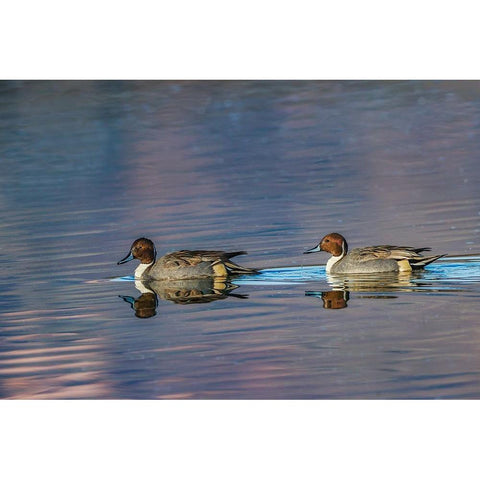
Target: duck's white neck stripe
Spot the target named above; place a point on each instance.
(141, 269)
(332, 261)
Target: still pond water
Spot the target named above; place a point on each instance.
(267, 167)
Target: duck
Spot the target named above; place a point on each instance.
(375, 259)
(183, 264)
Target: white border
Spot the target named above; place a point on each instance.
(239, 439)
(251, 39)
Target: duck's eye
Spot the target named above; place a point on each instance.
(327, 240)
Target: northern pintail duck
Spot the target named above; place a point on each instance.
(183, 264)
(376, 259)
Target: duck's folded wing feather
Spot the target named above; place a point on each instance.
(191, 258)
(387, 252)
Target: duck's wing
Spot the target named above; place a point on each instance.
(387, 252)
(191, 258)
(185, 258)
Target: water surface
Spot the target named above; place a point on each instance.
(267, 167)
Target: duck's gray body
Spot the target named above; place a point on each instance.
(188, 264)
(182, 265)
(381, 259)
(375, 259)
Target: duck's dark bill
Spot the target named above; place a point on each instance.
(126, 259)
(314, 249)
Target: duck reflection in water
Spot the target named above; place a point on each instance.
(333, 299)
(200, 290)
(377, 285)
(145, 306)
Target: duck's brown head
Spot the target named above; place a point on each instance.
(142, 249)
(333, 243)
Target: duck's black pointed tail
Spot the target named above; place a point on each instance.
(417, 263)
(234, 269)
